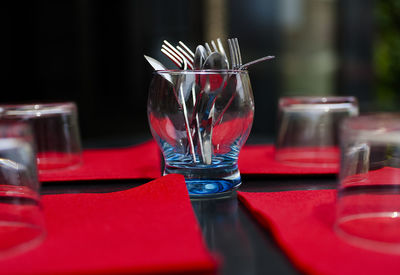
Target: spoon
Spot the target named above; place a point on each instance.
(200, 56)
(215, 61)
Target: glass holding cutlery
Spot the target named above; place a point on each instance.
(200, 120)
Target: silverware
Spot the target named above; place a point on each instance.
(187, 53)
(248, 64)
(234, 50)
(215, 61)
(183, 61)
(200, 120)
(200, 56)
(158, 66)
(177, 56)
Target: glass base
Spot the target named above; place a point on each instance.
(214, 182)
(210, 188)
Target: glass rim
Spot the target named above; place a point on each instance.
(378, 127)
(369, 120)
(329, 99)
(220, 71)
(40, 108)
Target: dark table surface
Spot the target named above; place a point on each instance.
(228, 228)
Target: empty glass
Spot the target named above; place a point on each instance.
(56, 132)
(308, 129)
(21, 217)
(200, 120)
(368, 204)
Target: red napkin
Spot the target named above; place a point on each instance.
(136, 162)
(143, 162)
(148, 229)
(382, 176)
(260, 160)
(302, 223)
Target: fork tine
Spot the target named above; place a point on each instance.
(208, 48)
(179, 55)
(214, 46)
(222, 50)
(172, 53)
(238, 52)
(188, 58)
(221, 47)
(187, 49)
(171, 57)
(232, 53)
(185, 62)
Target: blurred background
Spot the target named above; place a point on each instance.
(91, 52)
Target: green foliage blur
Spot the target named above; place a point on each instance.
(387, 55)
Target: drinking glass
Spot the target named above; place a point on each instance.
(368, 203)
(200, 120)
(56, 133)
(21, 218)
(308, 129)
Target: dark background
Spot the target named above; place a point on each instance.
(91, 52)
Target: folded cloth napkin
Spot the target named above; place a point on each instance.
(135, 162)
(260, 160)
(302, 223)
(149, 229)
(143, 162)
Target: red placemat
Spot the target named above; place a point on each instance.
(143, 162)
(302, 223)
(260, 160)
(135, 162)
(149, 229)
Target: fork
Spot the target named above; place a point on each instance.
(178, 55)
(183, 62)
(234, 50)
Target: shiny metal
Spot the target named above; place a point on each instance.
(248, 64)
(215, 61)
(234, 50)
(208, 48)
(199, 57)
(239, 55)
(157, 65)
(176, 56)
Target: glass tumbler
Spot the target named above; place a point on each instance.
(200, 120)
(368, 202)
(21, 219)
(308, 129)
(56, 133)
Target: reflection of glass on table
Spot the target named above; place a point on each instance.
(368, 207)
(308, 129)
(56, 131)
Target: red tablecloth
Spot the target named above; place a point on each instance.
(302, 223)
(149, 229)
(143, 162)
